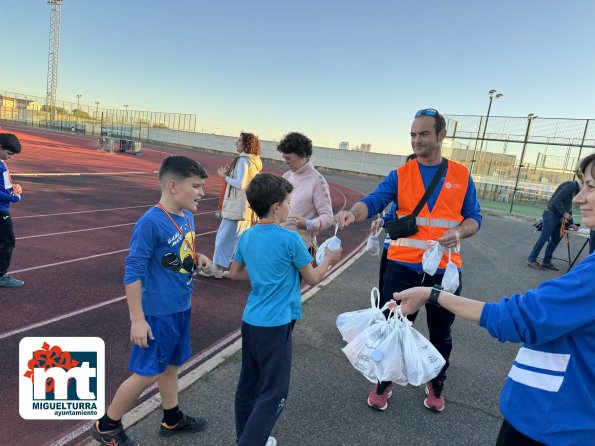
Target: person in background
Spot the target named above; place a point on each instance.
(545, 399)
(9, 193)
(556, 214)
(311, 207)
(236, 215)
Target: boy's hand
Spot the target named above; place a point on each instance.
(332, 256)
(139, 330)
(204, 263)
(17, 189)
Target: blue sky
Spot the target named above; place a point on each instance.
(337, 70)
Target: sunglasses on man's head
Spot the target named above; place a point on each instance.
(427, 112)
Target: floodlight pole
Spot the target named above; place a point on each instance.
(530, 118)
(493, 95)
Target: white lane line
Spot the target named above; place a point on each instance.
(93, 229)
(86, 258)
(81, 174)
(59, 318)
(98, 210)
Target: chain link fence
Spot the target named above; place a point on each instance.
(90, 120)
(518, 162)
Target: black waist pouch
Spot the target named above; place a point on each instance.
(401, 227)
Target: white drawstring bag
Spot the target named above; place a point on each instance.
(388, 357)
(359, 351)
(352, 323)
(373, 245)
(332, 244)
(422, 361)
(432, 256)
(450, 281)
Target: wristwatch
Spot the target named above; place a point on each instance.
(434, 294)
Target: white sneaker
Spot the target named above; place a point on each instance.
(271, 442)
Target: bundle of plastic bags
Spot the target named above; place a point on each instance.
(388, 349)
(373, 244)
(352, 323)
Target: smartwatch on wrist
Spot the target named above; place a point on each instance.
(434, 294)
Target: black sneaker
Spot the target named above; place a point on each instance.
(549, 266)
(187, 424)
(116, 437)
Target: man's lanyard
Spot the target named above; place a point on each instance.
(190, 244)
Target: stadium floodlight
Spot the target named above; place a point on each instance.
(54, 49)
(493, 95)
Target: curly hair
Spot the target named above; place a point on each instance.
(251, 143)
(297, 143)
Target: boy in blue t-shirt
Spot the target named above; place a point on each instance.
(158, 279)
(9, 193)
(273, 259)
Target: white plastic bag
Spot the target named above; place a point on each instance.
(422, 361)
(359, 351)
(450, 281)
(432, 256)
(388, 357)
(373, 245)
(332, 244)
(352, 323)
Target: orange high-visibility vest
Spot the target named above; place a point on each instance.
(445, 215)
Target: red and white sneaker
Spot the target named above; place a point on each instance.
(434, 400)
(380, 401)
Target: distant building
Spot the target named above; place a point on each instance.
(343, 145)
(6, 101)
(365, 147)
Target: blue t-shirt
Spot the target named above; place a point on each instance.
(157, 257)
(273, 257)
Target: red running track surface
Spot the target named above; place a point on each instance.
(73, 227)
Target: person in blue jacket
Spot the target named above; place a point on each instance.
(9, 193)
(546, 397)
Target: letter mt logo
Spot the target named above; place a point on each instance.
(61, 378)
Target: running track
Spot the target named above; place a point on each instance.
(73, 227)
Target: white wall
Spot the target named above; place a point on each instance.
(345, 160)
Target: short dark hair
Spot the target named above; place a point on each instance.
(251, 143)
(582, 168)
(181, 167)
(297, 143)
(10, 142)
(266, 189)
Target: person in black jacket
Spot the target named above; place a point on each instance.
(557, 212)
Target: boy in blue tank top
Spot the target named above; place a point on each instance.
(158, 280)
(272, 258)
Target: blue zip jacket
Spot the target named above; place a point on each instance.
(548, 395)
(6, 195)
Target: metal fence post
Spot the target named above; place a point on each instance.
(580, 150)
(475, 148)
(530, 118)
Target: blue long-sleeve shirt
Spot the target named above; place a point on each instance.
(6, 195)
(548, 395)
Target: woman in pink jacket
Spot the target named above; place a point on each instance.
(311, 209)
